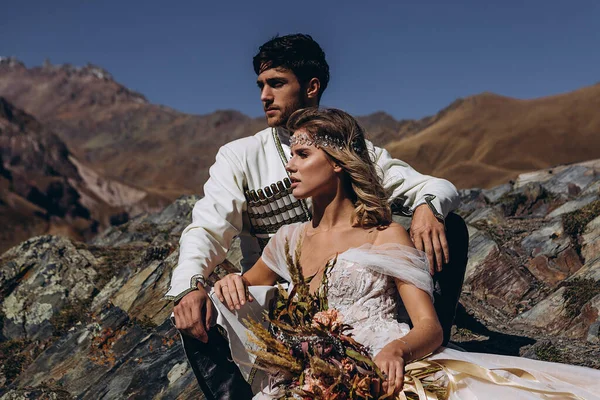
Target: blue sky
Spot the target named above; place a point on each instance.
(409, 59)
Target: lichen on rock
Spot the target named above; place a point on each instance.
(58, 274)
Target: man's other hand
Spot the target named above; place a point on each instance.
(193, 314)
(429, 235)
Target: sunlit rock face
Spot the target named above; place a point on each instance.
(87, 320)
(534, 265)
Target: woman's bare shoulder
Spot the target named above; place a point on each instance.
(393, 233)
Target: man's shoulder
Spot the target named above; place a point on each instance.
(249, 143)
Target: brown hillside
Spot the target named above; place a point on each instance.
(487, 139)
(37, 182)
(45, 189)
(382, 128)
(117, 132)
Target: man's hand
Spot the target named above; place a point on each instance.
(428, 234)
(390, 361)
(193, 314)
(233, 291)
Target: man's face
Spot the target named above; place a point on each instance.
(281, 94)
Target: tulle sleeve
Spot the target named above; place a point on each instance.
(403, 262)
(274, 253)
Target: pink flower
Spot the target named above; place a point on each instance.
(347, 365)
(330, 319)
(311, 384)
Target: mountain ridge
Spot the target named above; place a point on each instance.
(121, 135)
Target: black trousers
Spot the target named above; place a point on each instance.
(448, 282)
(219, 377)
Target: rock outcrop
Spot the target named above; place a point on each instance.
(534, 264)
(87, 320)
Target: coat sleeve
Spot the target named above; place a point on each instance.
(216, 220)
(409, 188)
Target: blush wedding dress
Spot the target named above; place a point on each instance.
(361, 287)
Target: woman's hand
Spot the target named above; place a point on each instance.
(233, 291)
(390, 361)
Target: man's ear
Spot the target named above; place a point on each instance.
(312, 89)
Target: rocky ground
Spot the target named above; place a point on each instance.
(87, 320)
(533, 279)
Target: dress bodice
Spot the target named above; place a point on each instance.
(368, 301)
(361, 284)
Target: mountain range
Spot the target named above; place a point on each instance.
(121, 154)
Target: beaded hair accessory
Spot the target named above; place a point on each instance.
(321, 141)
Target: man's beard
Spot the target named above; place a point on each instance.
(287, 113)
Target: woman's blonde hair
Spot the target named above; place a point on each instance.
(349, 150)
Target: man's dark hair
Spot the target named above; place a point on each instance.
(299, 53)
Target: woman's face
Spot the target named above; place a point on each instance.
(312, 172)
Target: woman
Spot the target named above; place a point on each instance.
(376, 261)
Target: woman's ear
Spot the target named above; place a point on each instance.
(337, 168)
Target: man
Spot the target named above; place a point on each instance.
(247, 196)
